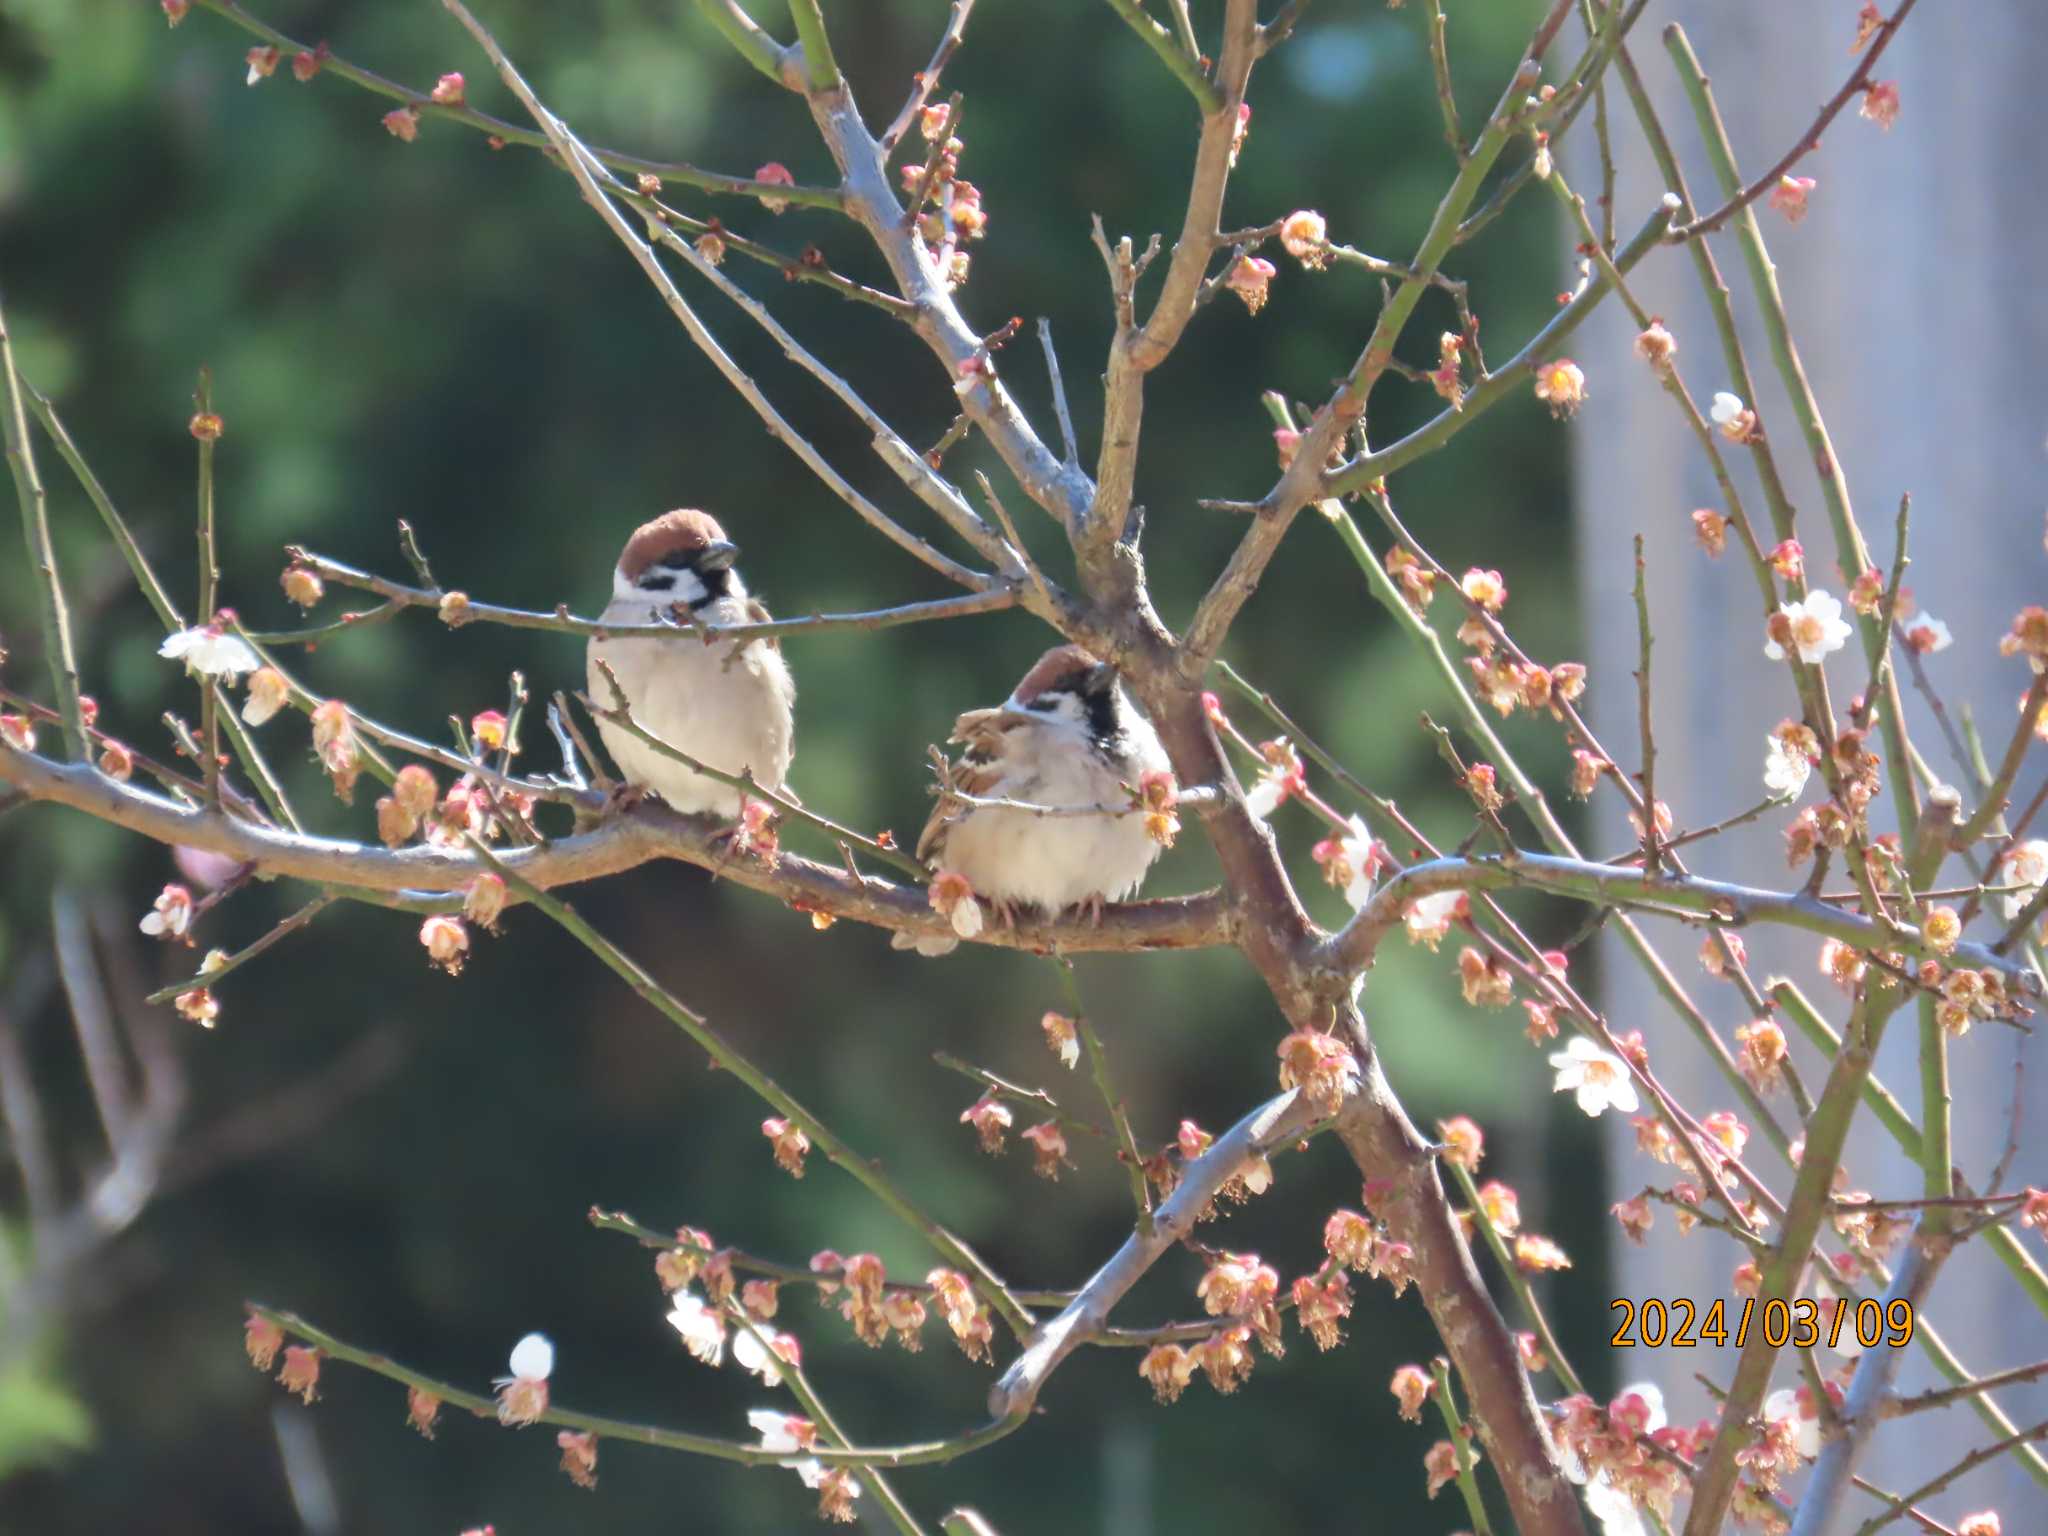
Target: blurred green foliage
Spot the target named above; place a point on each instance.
(443, 333)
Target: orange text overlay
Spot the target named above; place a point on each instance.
(1803, 1323)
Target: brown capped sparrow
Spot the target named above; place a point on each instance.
(1068, 736)
(730, 711)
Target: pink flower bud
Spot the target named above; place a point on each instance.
(422, 1408)
(447, 90)
(301, 1371)
(446, 941)
(1881, 103)
(484, 900)
(1561, 385)
(775, 174)
(1306, 237)
(1249, 278)
(262, 1339)
(302, 585)
(1789, 197)
(489, 729)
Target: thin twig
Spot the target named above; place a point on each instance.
(42, 552)
(1270, 1126)
(561, 621)
(243, 956)
(1098, 1067)
(1059, 395)
(1808, 141)
(927, 79)
(1934, 1485)
(927, 1453)
(423, 103)
(723, 1054)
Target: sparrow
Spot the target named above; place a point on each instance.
(729, 706)
(1067, 736)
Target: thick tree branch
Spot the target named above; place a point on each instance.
(1270, 1126)
(1614, 885)
(624, 841)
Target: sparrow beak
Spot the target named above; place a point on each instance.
(718, 555)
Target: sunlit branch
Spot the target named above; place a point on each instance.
(723, 1054)
(621, 842)
(561, 621)
(423, 103)
(926, 1453)
(1271, 1125)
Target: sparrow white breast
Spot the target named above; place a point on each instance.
(730, 712)
(1067, 736)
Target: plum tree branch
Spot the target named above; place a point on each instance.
(423, 103)
(923, 1453)
(1271, 1125)
(991, 599)
(621, 842)
(726, 1057)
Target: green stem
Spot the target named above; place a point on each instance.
(723, 1055)
(42, 555)
(1461, 1447)
(1893, 1117)
(1531, 798)
(209, 590)
(820, 68)
(746, 36)
(1186, 69)
(512, 133)
(929, 1453)
(236, 961)
(1098, 1067)
(813, 1405)
(1503, 381)
(1517, 1281)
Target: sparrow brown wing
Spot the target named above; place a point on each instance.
(985, 735)
(757, 613)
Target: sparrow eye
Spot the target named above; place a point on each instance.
(657, 581)
(1044, 703)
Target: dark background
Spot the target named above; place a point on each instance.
(444, 334)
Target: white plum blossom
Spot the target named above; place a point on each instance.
(210, 651)
(1428, 918)
(170, 915)
(814, 1472)
(1786, 1404)
(1785, 767)
(752, 1353)
(1264, 797)
(703, 1330)
(1927, 634)
(2024, 865)
(1727, 409)
(779, 1431)
(1618, 1514)
(1817, 628)
(1355, 847)
(1599, 1078)
(533, 1358)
